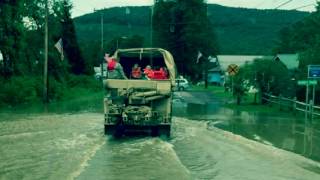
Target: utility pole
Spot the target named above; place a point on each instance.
(151, 30)
(102, 59)
(151, 25)
(207, 41)
(45, 67)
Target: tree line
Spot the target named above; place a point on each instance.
(22, 24)
(238, 30)
(22, 38)
(183, 28)
(302, 38)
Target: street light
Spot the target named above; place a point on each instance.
(120, 38)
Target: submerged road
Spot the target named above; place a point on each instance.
(208, 142)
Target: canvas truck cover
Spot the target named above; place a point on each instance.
(140, 52)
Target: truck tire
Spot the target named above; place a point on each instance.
(109, 130)
(165, 131)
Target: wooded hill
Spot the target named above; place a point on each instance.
(239, 30)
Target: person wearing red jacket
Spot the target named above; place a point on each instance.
(136, 72)
(148, 72)
(114, 69)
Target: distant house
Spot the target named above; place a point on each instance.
(215, 76)
(290, 60)
(216, 73)
(226, 60)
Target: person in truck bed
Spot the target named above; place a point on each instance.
(148, 72)
(136, 72)
(114, 69)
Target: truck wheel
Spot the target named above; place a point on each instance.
(109, 130)
(119, 131)
(164, 132)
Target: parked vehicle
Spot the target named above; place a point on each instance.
(140, 104)
(97, 72)
(182, 84)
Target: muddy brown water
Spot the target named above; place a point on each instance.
(208, 142)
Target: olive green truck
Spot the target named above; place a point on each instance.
(135, 105)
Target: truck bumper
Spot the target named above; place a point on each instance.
(122, 129)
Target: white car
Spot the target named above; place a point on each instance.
(181, 84)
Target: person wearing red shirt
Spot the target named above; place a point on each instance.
(136, 72)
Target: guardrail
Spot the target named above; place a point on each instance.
(292, 104)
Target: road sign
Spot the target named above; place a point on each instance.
(314, 71)
(233, 69)
(305, 82)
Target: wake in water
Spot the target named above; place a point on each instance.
(210, 153)
(67, 146)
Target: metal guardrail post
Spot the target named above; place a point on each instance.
(295, 105)
(311, 104)
(269, 99)
(279, 101)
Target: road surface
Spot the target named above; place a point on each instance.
(205, 144)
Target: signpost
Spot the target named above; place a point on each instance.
(314, 71)
(233, 69)
(305, 82)
(313, 75)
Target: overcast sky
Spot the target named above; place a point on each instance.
(87, 6)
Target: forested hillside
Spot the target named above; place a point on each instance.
(239, 30)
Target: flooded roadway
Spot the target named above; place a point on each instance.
(208, 142)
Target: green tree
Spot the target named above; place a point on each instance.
(301, 36)
(304, 38)
(269, 76)
(134, 41)
(11, 36)
(184, 29)
(70, 43)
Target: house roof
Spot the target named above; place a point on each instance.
(215, 69)
(290, 60)
(226, 60)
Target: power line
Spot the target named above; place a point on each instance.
(300, 7)
(283, 4)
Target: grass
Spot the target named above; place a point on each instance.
(28, 90)
(218, 91)
(247, 103)
(79, 101)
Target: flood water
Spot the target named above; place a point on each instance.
(208, 142)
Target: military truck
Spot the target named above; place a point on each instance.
(145, 105)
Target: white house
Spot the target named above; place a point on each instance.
(226, 60)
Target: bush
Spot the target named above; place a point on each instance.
(22, 90)
(86, 82)
(18, 90)
(56, 89)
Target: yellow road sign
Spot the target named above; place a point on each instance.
(233, 69)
